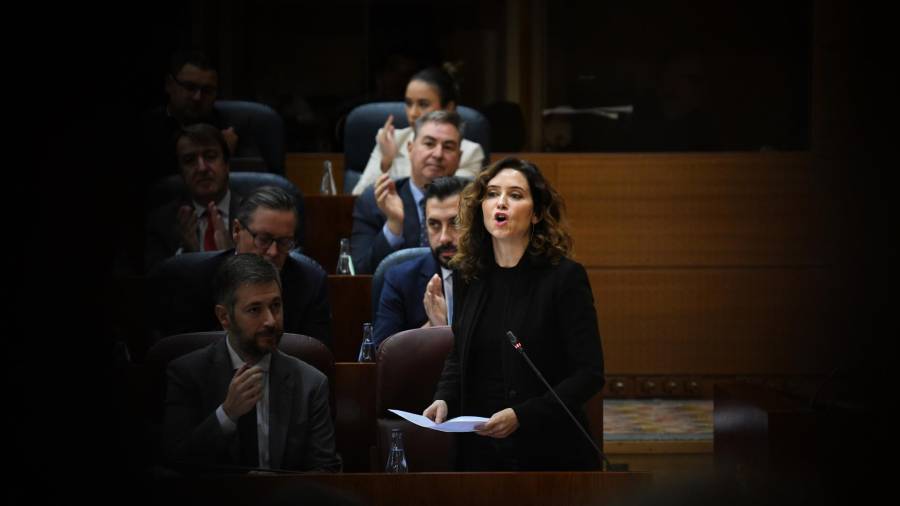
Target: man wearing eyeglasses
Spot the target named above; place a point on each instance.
(191, 85)
(265, 224)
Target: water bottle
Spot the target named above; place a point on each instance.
(345, 261)
(367, 348)
(396, 461)
(327, 186)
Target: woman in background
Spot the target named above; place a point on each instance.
(513, 261)
(429, 90)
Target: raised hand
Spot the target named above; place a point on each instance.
(186, 223)
(220, 229)
(244, 391)
(231, 139)
(386, 144)
(434, 302)
(388, 200)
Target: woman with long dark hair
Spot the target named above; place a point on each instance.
(516, 276)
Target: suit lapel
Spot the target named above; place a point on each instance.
(281, 388)
(410, 215)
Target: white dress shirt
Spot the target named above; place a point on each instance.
(262, 407)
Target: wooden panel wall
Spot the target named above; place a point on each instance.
(708, 264)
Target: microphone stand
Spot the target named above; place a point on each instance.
(518, 346)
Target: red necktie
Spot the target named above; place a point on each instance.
(209, 238)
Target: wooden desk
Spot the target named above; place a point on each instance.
(351, 306)
(329, 218)
(433, 489)
(354, 386)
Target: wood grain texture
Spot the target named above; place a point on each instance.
(351, 306)
(717, 321)
(694, 209)
(305, 170)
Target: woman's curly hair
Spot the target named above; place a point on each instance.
(550, 239)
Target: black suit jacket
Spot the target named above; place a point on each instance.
(301, 435)
(368, 245)
(183, 299)
(162, 231)
(558, 329)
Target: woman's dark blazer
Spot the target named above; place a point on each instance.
(558, 330)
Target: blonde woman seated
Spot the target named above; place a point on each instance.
(429, 90)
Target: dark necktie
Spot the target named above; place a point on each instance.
(423, 230)
(248, 439)
(209, 238)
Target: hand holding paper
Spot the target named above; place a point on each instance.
(458, 424)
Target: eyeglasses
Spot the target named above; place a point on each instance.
(193, 88)
(264, 241)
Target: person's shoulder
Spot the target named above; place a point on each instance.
(305, 267)
(468, 146)
(193, 360)
(569, 271)
(407, 268)
(303, 369)
(403, 135)
(367, 197)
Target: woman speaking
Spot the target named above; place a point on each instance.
(516, 276)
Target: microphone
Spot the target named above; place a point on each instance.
(514, 341)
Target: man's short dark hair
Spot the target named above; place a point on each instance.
(203, 134)
(268, 197)
(195, 58)
(444, 187)
(241, 269)
(442, 117)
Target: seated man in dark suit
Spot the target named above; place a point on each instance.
(389, 215)
(419, 292)
(240, 401)
(198, 220)
(191, 86)
(264, 224)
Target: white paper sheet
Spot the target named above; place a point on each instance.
(458, 424)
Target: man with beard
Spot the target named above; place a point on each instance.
(389, 215)
(419, 292)
(191, 86)
(197, 221)
(240, 401)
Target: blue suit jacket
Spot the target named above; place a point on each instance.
(400, 307)
(368, 245)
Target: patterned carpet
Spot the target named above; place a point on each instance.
(657, 420)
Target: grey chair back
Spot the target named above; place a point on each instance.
(388, 262)
(261, 131)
